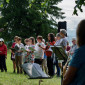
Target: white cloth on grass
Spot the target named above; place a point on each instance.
(33, 70)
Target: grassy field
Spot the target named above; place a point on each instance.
(10, 78)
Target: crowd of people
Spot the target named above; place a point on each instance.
(42, 54)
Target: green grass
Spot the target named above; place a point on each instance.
(10, 78)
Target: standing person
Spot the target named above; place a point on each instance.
(31, 53)
(3, 55)
(57, 63)
(13, 54)
(19, 55)
(39, 54)
(75, 74)
(51, 42)
(44, 63)
(74, 46)
(64, 40)
(63, 34)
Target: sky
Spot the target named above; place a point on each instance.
(72, 20)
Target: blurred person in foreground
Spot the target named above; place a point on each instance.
(75, 74)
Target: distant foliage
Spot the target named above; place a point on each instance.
(79, 4)
(27, 18)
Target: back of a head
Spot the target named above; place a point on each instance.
(63, 31)
(52, 37)
(33, 40)
(40, 37)
(80, 33)
(58, 35)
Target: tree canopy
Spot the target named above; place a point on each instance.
(79, 4)
(27, 18)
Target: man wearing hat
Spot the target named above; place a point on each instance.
(3, 54)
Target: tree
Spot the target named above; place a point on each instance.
(79, 4)
(27, 18)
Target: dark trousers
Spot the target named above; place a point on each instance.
(50, 66)
(38, 61)
(58, 68)
(3, 63)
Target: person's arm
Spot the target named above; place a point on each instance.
(69, 75)
(5, 51)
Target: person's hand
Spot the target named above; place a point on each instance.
(5, 56)
(39, 45)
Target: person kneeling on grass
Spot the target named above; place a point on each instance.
(3, 55)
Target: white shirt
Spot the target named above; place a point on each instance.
(73, 48)
(20, 46)
(39, 53)
(27, 47)
(58, 42)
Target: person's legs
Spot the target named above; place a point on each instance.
(50, 66)
(20, 63)
(4, 63)
(58, 69)
(45, 66)
(17, 63)
(14, 66)
(1, 63)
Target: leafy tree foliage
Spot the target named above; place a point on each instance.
(27, 18)
(79, 4)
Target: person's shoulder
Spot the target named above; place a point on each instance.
(16, 44)
(4, 45)
(21, 44)
(52, 43)
(13, 43)
(80, 51)
(64, 39)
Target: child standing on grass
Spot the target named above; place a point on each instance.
(29, 58)
(39, 51)
(13, 54)
(18, 55)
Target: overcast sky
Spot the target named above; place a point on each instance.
(72, 20)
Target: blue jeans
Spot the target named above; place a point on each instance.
(57, 67)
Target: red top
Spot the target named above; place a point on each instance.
(68, 48)
(3, 49)
(49, 53)
(13, 45)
